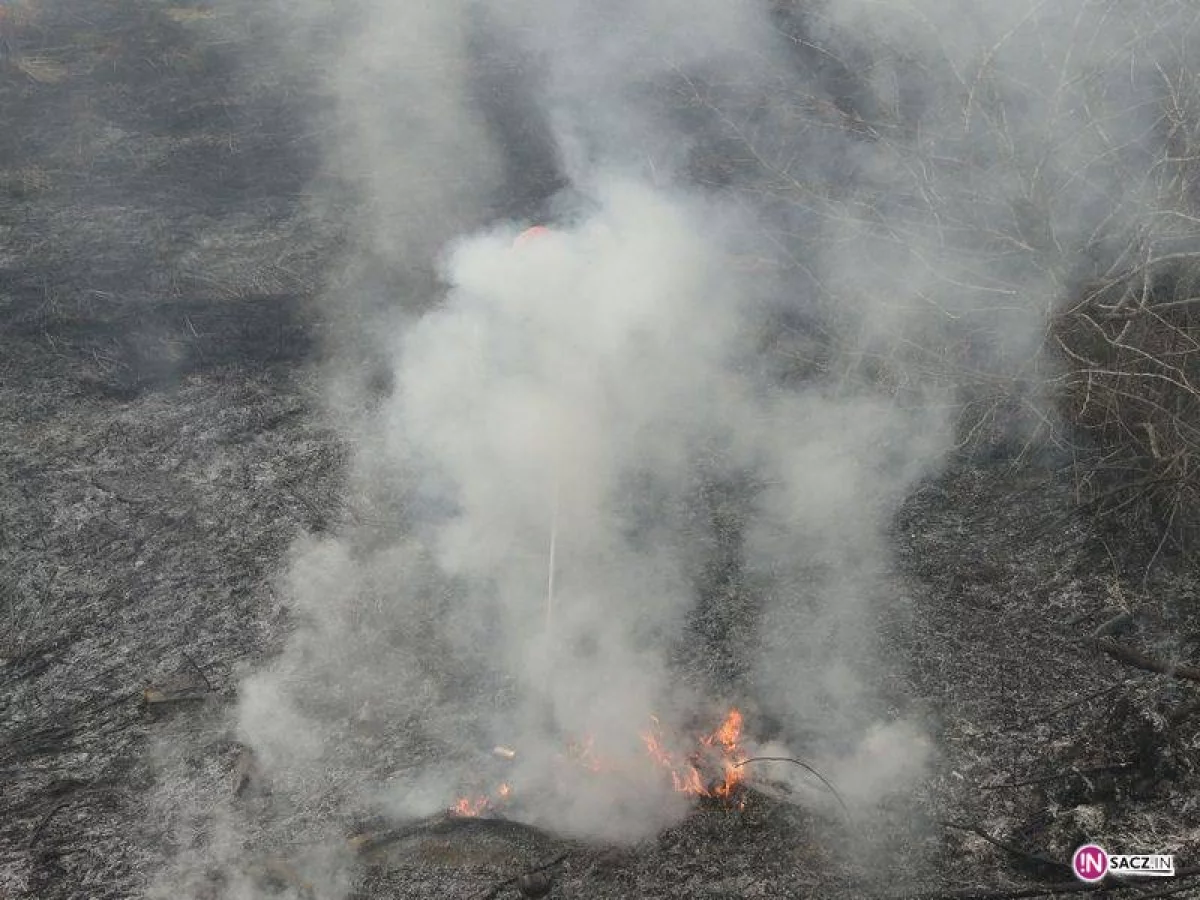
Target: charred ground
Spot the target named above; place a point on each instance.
(164, 443)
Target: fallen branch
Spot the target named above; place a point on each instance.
(1141, 661)
(282, 874)
(440, 823)
(199, 671)
(1058, 776)
(1010, 849)
(71, 791)
(45, 820)
(370, 841)
(1184, 713)
(153, 697)
(518, 880)
(1049, 890)
(1078, 701)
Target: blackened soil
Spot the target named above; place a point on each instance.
(161, 446)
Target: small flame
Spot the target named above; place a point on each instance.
(472, 807)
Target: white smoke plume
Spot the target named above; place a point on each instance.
(785, 240)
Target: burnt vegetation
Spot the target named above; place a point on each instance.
(167, 227)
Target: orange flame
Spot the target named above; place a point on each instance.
(728, 736)
(472, 807)
(713, 769)
(686, 775)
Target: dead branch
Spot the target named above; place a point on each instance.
(1058, 776)
(199, 671)
(1142, 661)
(1047, 890)
(153, 697)
(441, 823)
(1012, 850)
(516, 880)
(1077, 701)
(1185, 712)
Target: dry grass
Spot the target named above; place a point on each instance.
(986, 219)
(184, 14)
(1131, 348)
(41, 69)
(24, 181)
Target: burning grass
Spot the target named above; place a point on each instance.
(709, 765)
(192, 565)
(712, 768)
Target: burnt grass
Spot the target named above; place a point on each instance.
(163, 444)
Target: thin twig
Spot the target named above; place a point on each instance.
(1166, 532)
(199, 671)
(803, 765)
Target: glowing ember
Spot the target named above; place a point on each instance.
(468, 806)
(471, 807)
(583, 753)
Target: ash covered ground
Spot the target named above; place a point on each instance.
(168, 229)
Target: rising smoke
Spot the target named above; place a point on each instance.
(788, 244)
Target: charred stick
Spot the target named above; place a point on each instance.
(45, 820)
(1058, 776)
(199, 671)
(1118, 624)
(1141, 661)
(73, 791)
(438, 824)
(1078, 701)
(1174, 888)
(155, 697)
(1046, 890)
(1181, 715)
(1065, 887)
(1010, 849)
(366, 843)
(516, 880)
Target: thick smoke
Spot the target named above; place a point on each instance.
(576, 390)
(788, 245)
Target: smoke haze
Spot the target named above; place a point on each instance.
(788, 246)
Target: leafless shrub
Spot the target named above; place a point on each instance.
(1052, 243)
(1132, 352)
